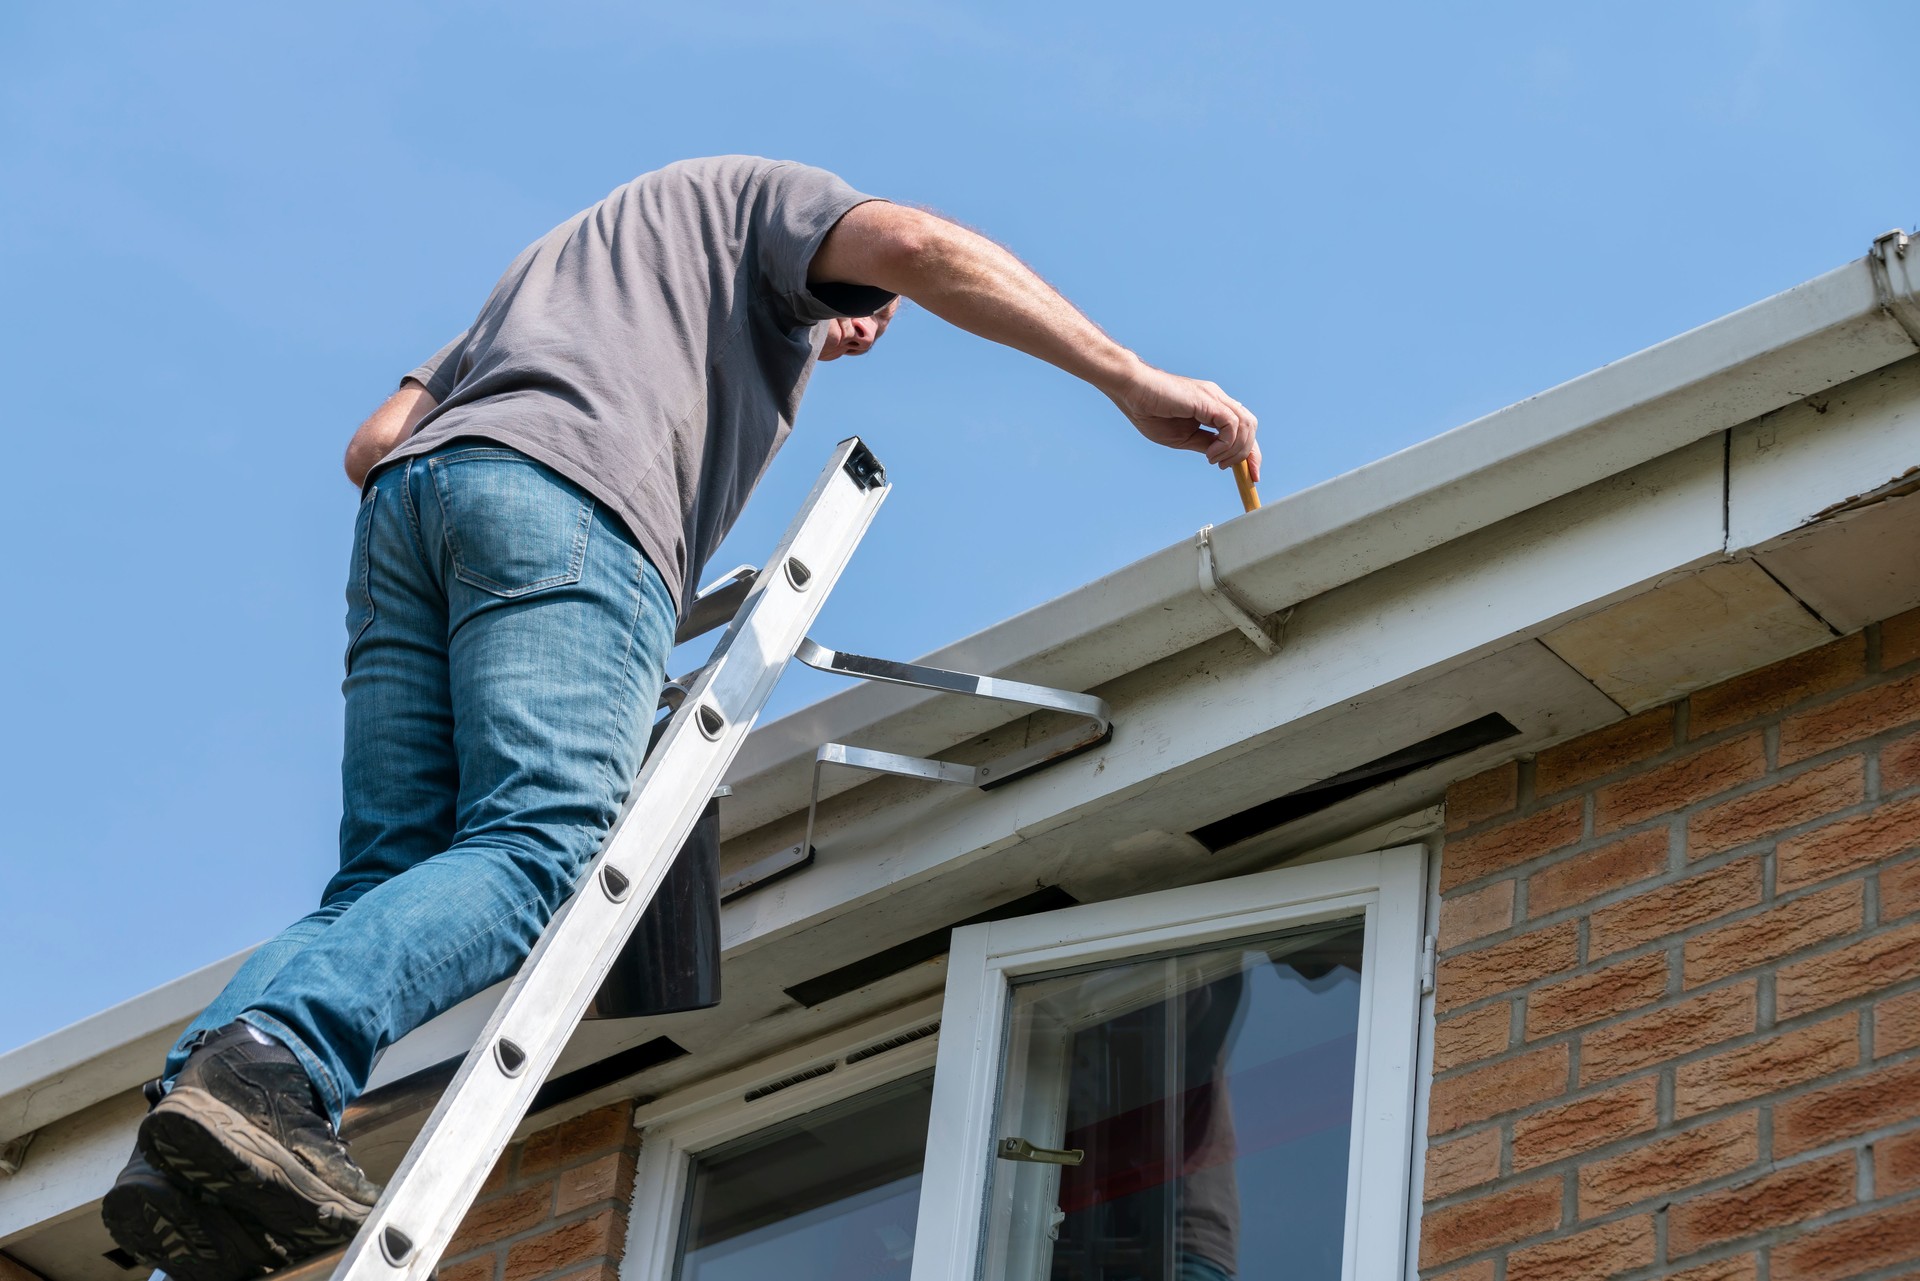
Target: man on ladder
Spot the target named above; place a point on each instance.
(536, 500)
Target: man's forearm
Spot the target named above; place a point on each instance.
(969, 281)
(386, 427)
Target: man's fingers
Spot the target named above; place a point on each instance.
(1235, 432)
(1200, 440)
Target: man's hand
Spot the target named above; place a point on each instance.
(1185, 413)
(967, 280)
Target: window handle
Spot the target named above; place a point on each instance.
(1021, 1150)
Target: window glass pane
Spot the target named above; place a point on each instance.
(831, 1195)
(1209, 1095)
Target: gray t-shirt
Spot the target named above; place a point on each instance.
(653, 349)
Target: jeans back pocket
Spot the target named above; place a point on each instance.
(512, 525)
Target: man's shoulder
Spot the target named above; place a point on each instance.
(723, 171)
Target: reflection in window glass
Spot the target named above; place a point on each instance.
(829, 1196)
(1210, 1096)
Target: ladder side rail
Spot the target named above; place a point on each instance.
(475, 1119)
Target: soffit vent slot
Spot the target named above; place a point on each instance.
(915, 951)
(786, 1081)
(1328, 792)
(629, 1062)
(893, 1043)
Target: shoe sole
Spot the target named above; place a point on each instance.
(166, 1228)
(202, 1142)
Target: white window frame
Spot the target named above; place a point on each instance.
(681, 1126)
(1387, 887)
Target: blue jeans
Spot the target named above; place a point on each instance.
(505, 644)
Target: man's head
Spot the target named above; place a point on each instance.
(856, 335)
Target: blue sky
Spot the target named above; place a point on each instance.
(231, 227)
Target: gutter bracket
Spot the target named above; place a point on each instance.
(1228, 602)
(1893, 281)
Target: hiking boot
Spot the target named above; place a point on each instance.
(241, 1126)
(167, 1227)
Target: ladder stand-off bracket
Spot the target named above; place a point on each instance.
(1093, 711)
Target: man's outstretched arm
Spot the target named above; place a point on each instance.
(386, 427)
(967, 280)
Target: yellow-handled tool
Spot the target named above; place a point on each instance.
(1249, 496)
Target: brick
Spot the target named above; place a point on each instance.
(1742, 1267)
(1874, 1101)
(1887, 705)
(1480, 1093)
(1900, 764)
(1464, 1163)
(1602, 994)
(1598, 871)
(1669, 1033)
(1845, 844)
(1864, 1243)
(586, 1135)
(480, 1269)
(1499, 1218)
(570, 1245)
(1779, 931)
(1675, 784)
(1466, 917)
(601, 1180)
(1762, 814)
(1900, 890)
(1510, 844)
(1896, 1025)
(498, 1175)
(1896, 1164)
(1466, 977)
(1778, 686)
(1777, 1063)
(1604, 1251)
(1486, 795)
(1585, 1124)
(1882, 959)
(1671, 908)
(1604, 751)
(1470, 1037)
(1481, 1271)
(1899, 640)
(502, 1217)
(1670, 1163)
(1791, 1195)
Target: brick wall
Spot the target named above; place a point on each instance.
(1678, 994)
(555, 1205)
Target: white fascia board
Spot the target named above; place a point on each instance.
(1811, 337)
(97, 1057)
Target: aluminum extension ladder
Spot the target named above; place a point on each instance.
(713, 709)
